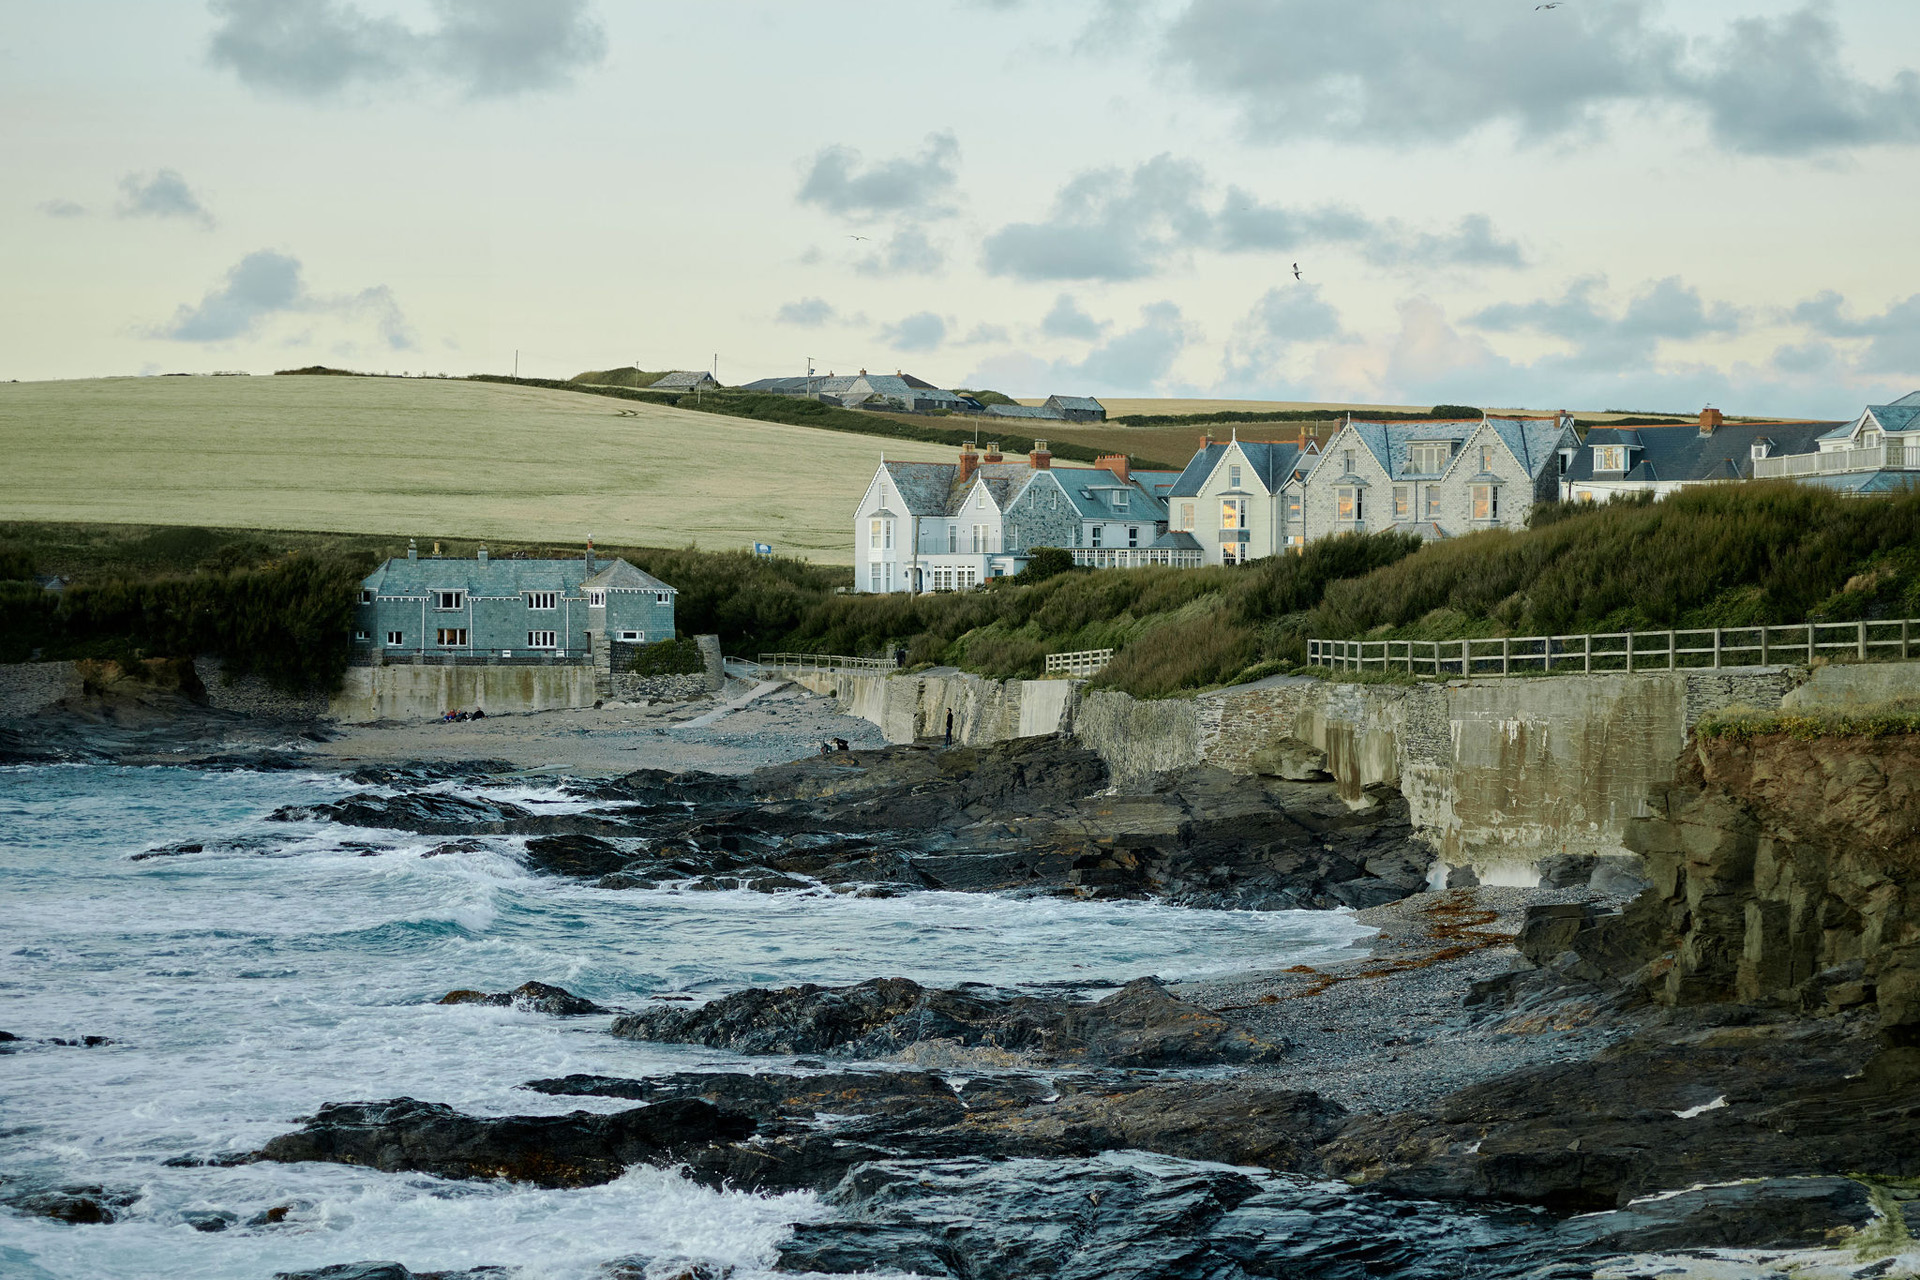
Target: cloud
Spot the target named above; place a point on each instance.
(1117, 225)
(919, 332)
(917, 186)
(265, 285)
(484, 48)
(161, 195)
(1067, 320)
(1893, 336)
(1136, 360)
(907, 253)
(1266, 340)
(809, 313)
(59, 208)
(1666, 310)
(1404, 74)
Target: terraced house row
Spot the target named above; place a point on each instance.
(948, 526)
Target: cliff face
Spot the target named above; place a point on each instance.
(1787, 872)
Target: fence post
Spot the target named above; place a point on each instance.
(1716, 648)
(1672, 636)
(1766, 656)
(1546, 648)
(1863, 639)
(1466, 659)
(1810, 641)
(1409, 657)
(1588, 653)
(1629, 652)
(1903, 639)
(1506, 654)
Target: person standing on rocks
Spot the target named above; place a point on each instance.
(949, 726)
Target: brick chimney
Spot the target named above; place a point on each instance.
(1040, 459)
(1114, 462)
(1206, 440)
(1709, 419)
(993, 452)
(969, 463)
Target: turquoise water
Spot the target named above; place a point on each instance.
(289, 965)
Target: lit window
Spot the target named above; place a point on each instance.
(450, 599)
(1402, 502)
(1293, 507)
(1233, 513)
(1233, 552)
(1186, 515)
(1433, 502)
(1610, 457)
(1486, 502)
(1486, 458)
(1428, 458)
(1350, 503)
(543, 640)
(453, 637)
(543, 599)
(396, 638)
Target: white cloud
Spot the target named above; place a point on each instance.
(164, 194)
(842, 183)
(265, 285)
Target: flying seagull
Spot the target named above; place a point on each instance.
(858, 237)
(1296, 271)
(1551, 4)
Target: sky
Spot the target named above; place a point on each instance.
(1606, 204)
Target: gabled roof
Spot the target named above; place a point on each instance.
(1084, 403)
(1272, 464)
(1681, 454)
(403, 577)
(680, 380)
(1388, 442)
(1158, 483)
(1176, 540)
(1023, 411)
(1092, 493)
(1532, 441)
(934, 488)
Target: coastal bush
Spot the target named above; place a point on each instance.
(16, 563)
(1044, 563)
(679, 657)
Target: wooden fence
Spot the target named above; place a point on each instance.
(1083, 663)
(1677, 650)
(826, 662)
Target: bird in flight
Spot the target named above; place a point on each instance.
(1551, 4)
(1296, 271)
(859, 237)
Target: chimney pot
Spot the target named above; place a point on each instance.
(483, 552)
(1116, 463)
(969, 463)
(413, 550)
(993, 452)
(1040, 459)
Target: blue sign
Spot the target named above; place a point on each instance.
(763, 548)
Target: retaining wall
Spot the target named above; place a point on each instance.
(424, 692)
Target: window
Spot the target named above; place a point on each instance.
(1402, 502)
(543, 640)
(1433, 502)
(1233, 553)
(1610, 457)
(453, 637)
(663, 597)
(1869, 438)
(1186, 515)
(363, 637)
(1233, 477)
(450, 599)
(873, 534)
(1346, 462)
(1350, 503)
(889, 575)
(1133, 535)
(953, 538)
(543, 599)
(980, 539)
(873, 576)
(1759, 450)
(1293, 508)
(980, 502)
(596, 599)
(1486, 458)
(1429, 457)
(1121, 499)
(1097, 531)
(1486, 502)
(1233, 513)
(633, 637)
(366, 596)
(396, 638)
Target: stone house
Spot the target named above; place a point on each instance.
(1438, 478)
(1110, 517)
(1240, 500)
(1077, 408)
(511, 610)
(684, 380)
(901, 392)
(1661, 460)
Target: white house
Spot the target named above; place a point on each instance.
(1110, 517)
(1876, 452)
(1660, 460)
(1240, 500)
(939, 526)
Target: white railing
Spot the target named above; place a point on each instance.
(826, 662)
(1137, 557)
(1083, 663)
(1681, 649)
(1893, 455)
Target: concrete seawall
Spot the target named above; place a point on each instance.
(1499, 774)
(423, 692)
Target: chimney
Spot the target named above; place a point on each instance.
(993, 452)
(863, 373)
(1709, 419)
(413, 550)
(1206, 440)
(1114, 462)
(436, 550)
(969, 463)
(483, 553)
(1040, 459)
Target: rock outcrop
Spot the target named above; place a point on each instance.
(529, 997)
(1141, 1025)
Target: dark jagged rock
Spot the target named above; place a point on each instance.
(1664, 1111)
(264, 761)
(576, 855)
(84, 1205)
(1226, 1121)
(574, 1150)
(433, 813)
(1764, 1214)
(393, 1271)
(1143, 1219)
(169, 851)
(421, 772)
(529, 997)
(209, 1221)
(1141, 1025)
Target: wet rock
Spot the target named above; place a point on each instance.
(573, 1150)
(454, 846)
(10, 1043)
(1765, 1214)
(1225, 1121)
(80, 1205)
(1141, 1025)
(575, 855)
(529, 997)
(413, 773)
(1567, 870)
(433, 813)
(393, 1271)
(210, 1221)
(168, 851)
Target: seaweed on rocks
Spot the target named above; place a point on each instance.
(1141, 1025)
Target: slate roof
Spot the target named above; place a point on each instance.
(1681, 453)
(1177, 540)
(1091, 493)
(1858, 482)
(1158, 483)
(499, 578)
(681, 380)
(1901, 415)
(934, 488)
(1023, 411)
(1084, 403)
(1273, 465)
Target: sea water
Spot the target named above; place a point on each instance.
(288, 965)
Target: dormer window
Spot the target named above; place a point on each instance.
(1428, 457)
(1761, 449)
(1869, 438)
(1610, 457)
(1121, 499)
(449, 600)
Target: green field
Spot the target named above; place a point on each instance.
(438, 458)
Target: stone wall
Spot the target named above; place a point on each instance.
(425, 692)
(249, 695)
(628, 687)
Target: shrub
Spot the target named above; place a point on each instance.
(1044, 563)
(16, 564)
(1453, 411)
(679, 657)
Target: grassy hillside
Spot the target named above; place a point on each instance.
(400, 455)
